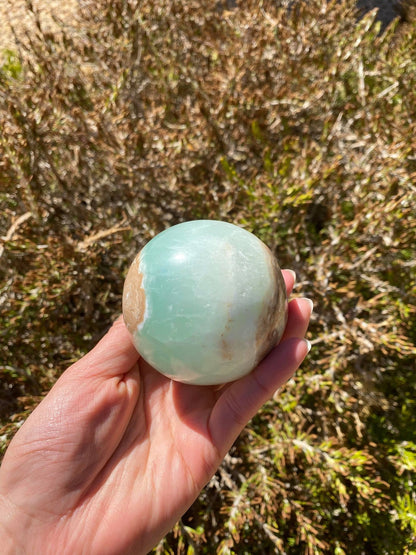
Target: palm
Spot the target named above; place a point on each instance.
(166, 453)
(116, 453)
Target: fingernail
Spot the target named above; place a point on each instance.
(310, 301)
(308, 344)
(293, 274)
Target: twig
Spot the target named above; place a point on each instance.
(84, 245)
(13, 228)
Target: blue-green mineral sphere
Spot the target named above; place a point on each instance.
(205, 301)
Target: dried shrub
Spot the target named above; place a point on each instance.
(296, 124)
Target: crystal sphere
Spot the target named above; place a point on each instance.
(204, 302)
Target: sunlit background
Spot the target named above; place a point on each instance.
(294, 120)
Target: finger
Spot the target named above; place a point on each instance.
(290, 278)
(241, 400)
(114, 354)
(299, 313)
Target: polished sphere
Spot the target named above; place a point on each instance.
(205, 301)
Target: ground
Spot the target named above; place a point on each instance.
(15, 12)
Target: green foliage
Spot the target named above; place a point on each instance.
(11, 68)
(299, 126)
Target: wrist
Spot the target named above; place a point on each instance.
(12, 541)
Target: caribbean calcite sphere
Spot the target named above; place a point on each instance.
(205, 301)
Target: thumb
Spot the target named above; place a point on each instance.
(114, 355)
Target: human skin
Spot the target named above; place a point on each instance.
(116, 453)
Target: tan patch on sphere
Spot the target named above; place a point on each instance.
(226, 351)
(272, 321)
(134, 297)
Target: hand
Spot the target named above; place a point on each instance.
(116, 453)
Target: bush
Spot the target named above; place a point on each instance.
(299, 126)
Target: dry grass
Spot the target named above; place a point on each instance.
(300, 127)
(16, 18)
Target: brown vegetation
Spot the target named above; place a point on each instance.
(302, 129)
